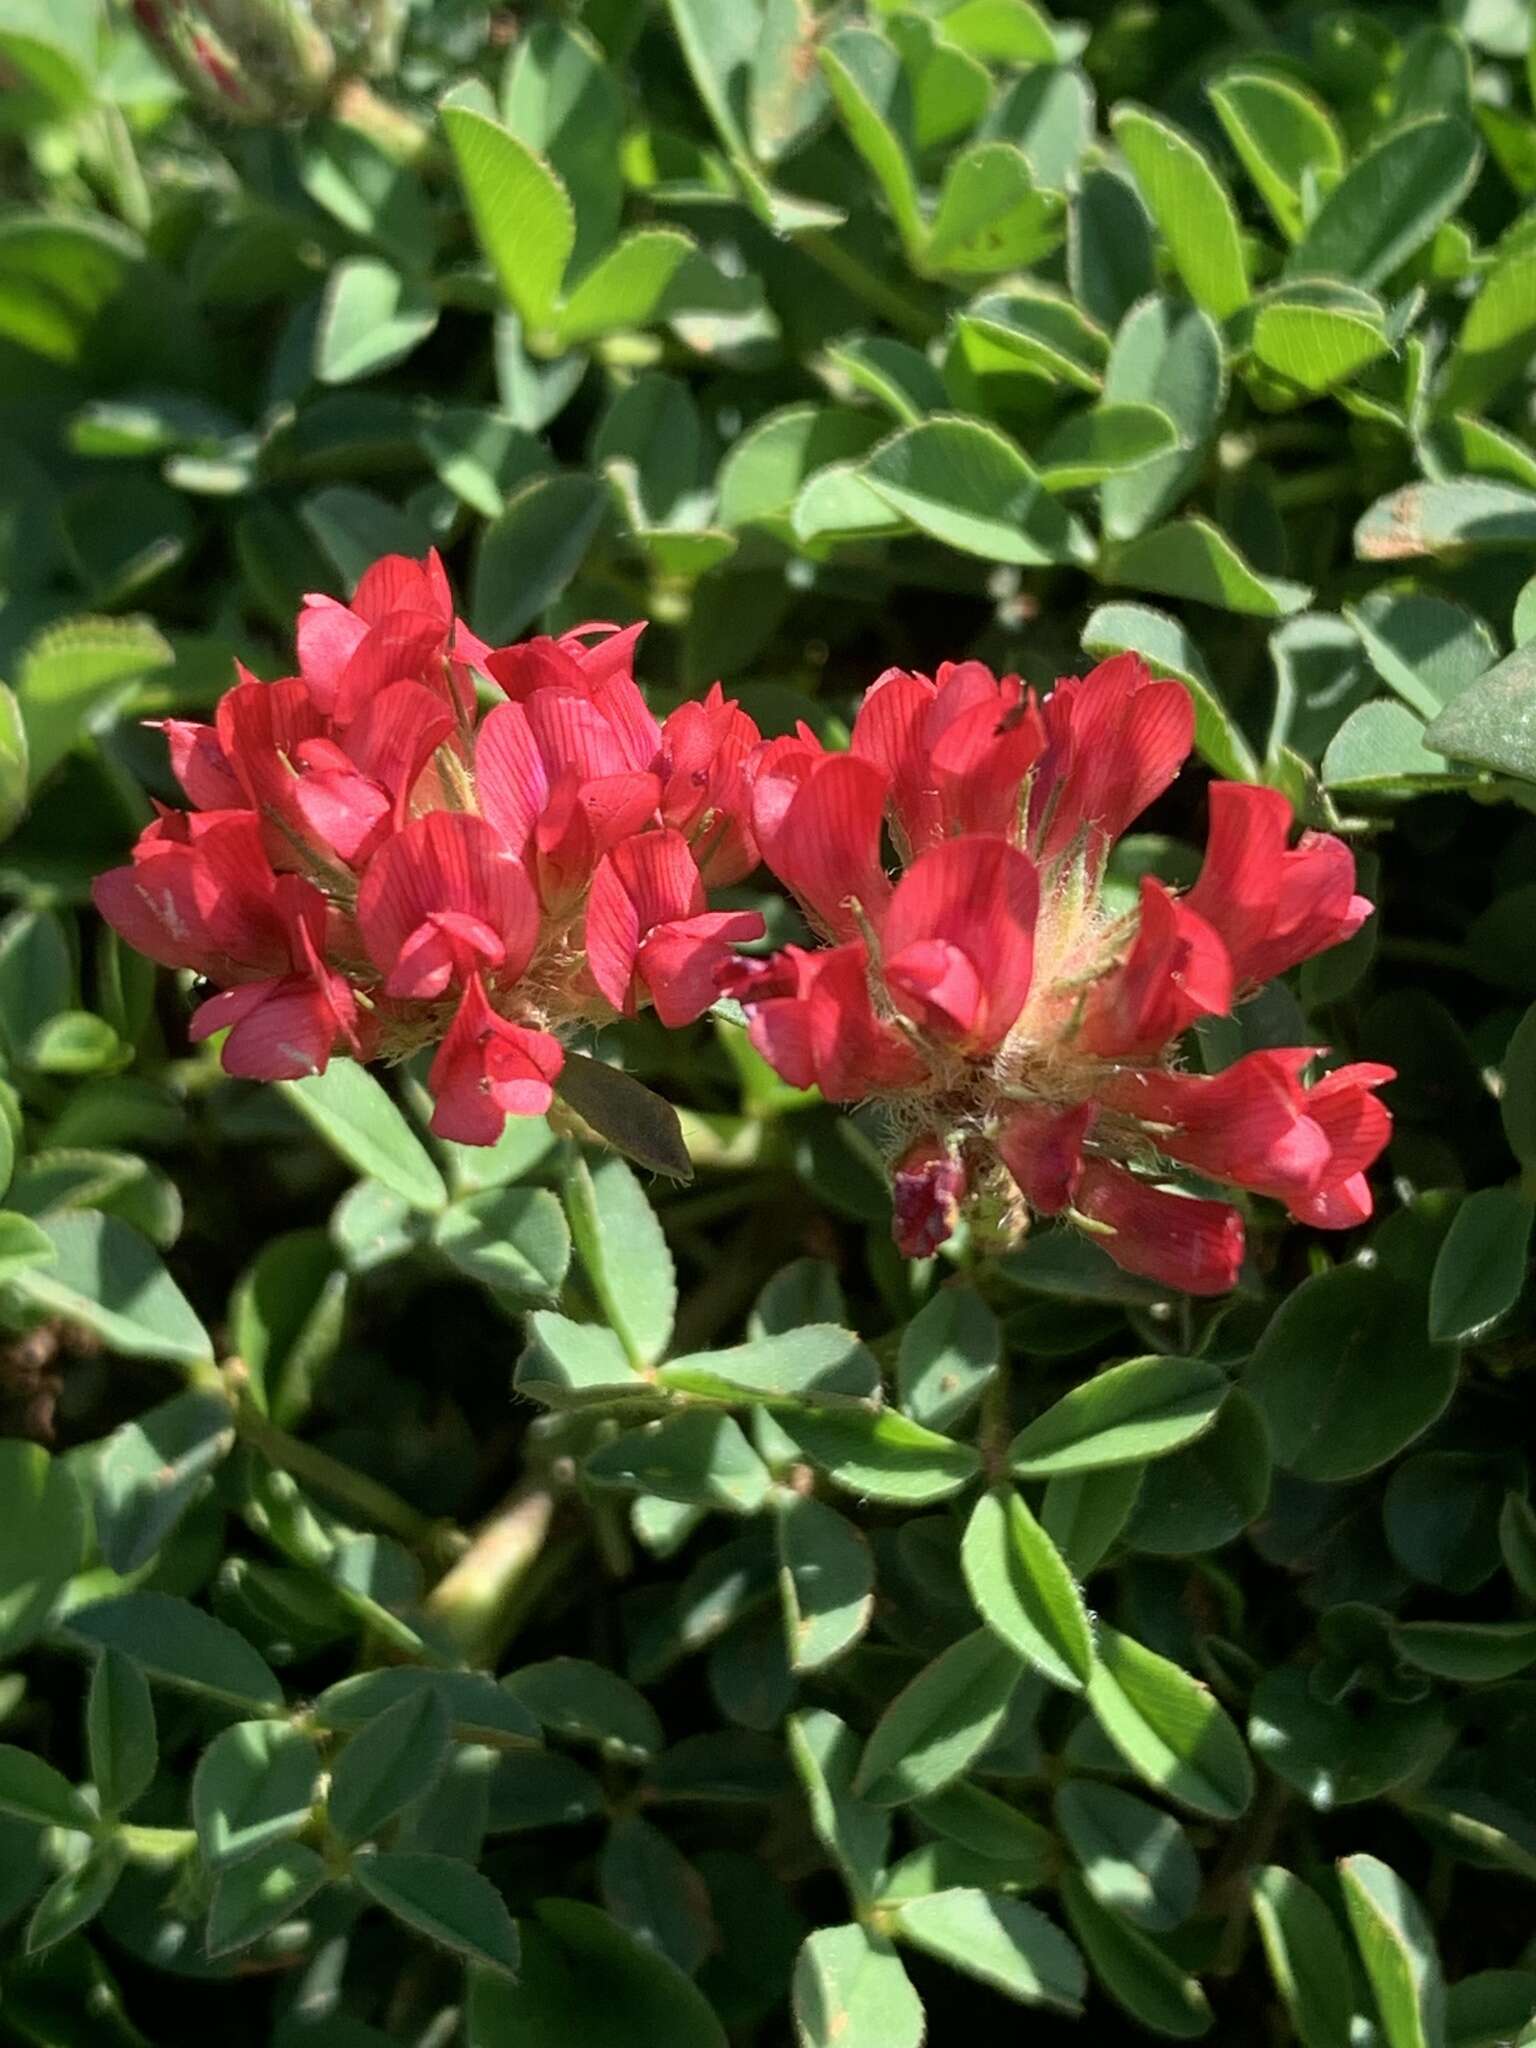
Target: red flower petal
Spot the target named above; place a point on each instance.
(959, 939)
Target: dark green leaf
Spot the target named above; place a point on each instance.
(397, 1758)
(254, 1785)
(1346, 1375)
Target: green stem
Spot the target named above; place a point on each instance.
(366, 1497)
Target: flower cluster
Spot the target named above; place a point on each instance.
(372, 866)
(1022, 1030)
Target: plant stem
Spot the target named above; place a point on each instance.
(366, 1497)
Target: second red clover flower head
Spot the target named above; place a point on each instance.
(1021, 1030)
(371, 867)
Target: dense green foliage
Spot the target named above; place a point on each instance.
(661, 1596)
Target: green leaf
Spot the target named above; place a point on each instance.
(397, 1758)
(1001, 31)
(1517, 1542)
(1498, 333)
(370, 319)
(824, 1751)
(1024, 1592)
(15, 763)
(624, 1251)
(1306, 1955)
(527, 556)
(850, 1991)
(826, 1580)
(522, 215)
(695, 1458)
(42, 1540)
(948, 1355)
(1389, 202)
(1492, 723)
(75, 1899)
(1191, 206)
(899, 376)
(34, 1791)
(966, 484)
(254, 1785)
(1209, 1492)
(1106, 440)
(762, 476)
(1169, 1728)
(1284, 137)
(1168, 650)
(992, 215)
(884, 1457)
(1379, 750)
(1002, 1941)
(513, 1240)
(255, 1897)
(1397, 1948)
(178, 1645)
(631, 285)
(569, 1363)
(815, 1365)
(153, 1469)
(354, 527)
(939, 1723)
(584, 1978)
(1434, 518)
(1341, 1753)
(354, 1115)
(1426, 648)
(1037, 332)
(447, 1901)
(1469, 1652)
(53, 48)
(873, 98)
(1110, 258)
(1517, 1104)
(480, 1710)
(1169, 355)
(1317, 1373)
(1126, 1415)
(73, 670)
(652, 1889)
(287, 1313)
(1317, 335)
(1136, 1861)
(585, 1702)
(120, 1731)
(1481, 1267)
(1191, 558)
(1083, 1513)
(107, 1278)
(1489, 2008)
(1133, 1970)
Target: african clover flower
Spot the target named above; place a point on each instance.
(1022, 1032)
(371, 866)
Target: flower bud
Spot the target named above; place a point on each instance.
(251, 61)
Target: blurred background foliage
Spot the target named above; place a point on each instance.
(825, 337)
